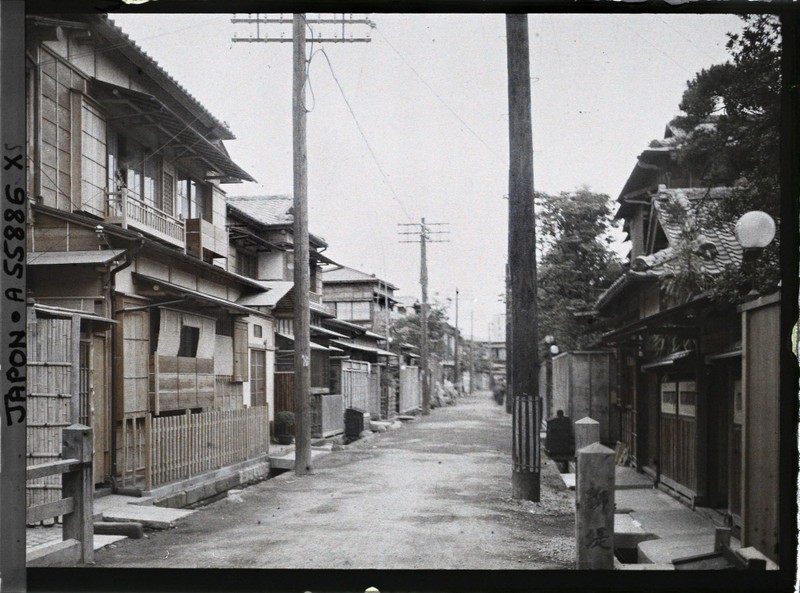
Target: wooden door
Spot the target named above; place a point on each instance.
(258, 377)
(678, 432)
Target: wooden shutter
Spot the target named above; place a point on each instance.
(240, 351)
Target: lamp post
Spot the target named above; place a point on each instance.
(754, 231)
(549, 340)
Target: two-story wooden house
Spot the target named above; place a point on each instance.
(262, 248)
(134, 321)
(687, 407)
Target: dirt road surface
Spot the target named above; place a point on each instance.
(435, 494)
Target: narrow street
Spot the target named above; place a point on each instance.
(434, 494)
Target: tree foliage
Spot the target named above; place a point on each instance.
(409, 330)
(577, 262)
(731, 114)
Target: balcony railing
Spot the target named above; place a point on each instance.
(133, 213)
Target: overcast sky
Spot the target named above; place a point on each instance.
(429, 94)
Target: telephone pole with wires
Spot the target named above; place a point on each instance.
(426, 232)
(525, 477)
(302, 313)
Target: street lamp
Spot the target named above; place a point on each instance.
(754, 231)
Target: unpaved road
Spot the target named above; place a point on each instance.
(434, 494)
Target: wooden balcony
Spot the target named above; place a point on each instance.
(133, 213)
(204, 240)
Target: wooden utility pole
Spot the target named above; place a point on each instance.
(423, 280)
(525, 478)
(425, 234)
(457, 362)
(302, 312)
(509, 326)
(471, 351)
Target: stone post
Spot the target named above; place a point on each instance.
(594, 508)
(78, 443)
(587, 431)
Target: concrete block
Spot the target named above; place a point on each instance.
(569, 480)
(195, 494)
(229, 482)
(752, 553)
(60, 553)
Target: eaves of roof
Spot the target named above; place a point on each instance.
(130, 49)
(152, 244)
(619, 285)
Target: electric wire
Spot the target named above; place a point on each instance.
(438, 96)
(363, 135)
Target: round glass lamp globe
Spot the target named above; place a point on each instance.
(553, 349)
(755, 230)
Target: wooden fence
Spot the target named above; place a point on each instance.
(191, 444)
(75, 501)
(355, 384)
(165, 449)
(410, 389)
(50, 405)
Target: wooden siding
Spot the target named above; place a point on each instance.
(761, 437)
(284, 392)
(410, 389)
(182, 383)
(229, 394)
(582, 387)
(240, 356)
(355, 384)
(374, 399)
(327, 414)
(202, 237)
(135, 360)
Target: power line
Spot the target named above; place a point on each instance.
(364, 136)
(438, 96)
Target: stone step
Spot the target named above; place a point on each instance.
(151, 517)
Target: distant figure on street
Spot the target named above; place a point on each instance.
(499, 392)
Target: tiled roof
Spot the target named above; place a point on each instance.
(222, 129)
(269, 210)
(718, 247)
(346, 274)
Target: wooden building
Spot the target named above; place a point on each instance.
(129, 265)
(691, 388)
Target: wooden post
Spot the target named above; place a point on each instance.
(594, 508)
(75, 382)
(302, 315)
(148, 452)
(78, 444)
(13, 314)
(457, 366)
(423, 279)
(525, 482)
(587, 431)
